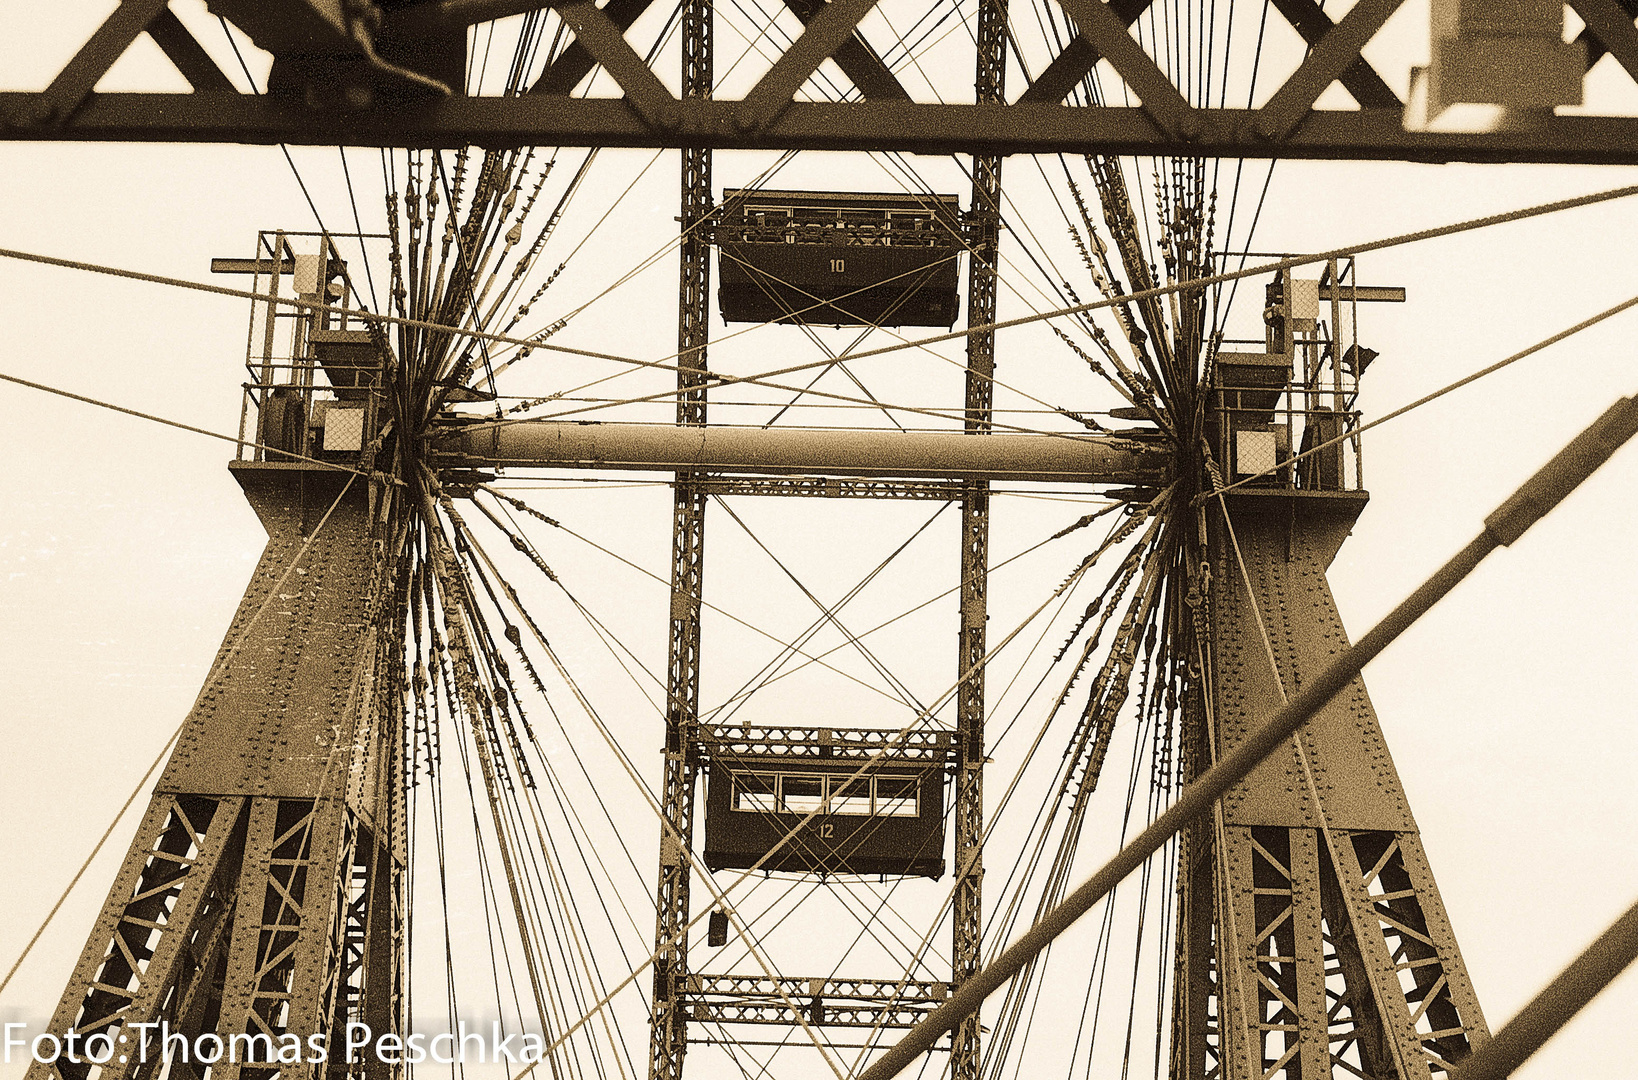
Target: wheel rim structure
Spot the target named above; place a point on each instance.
(573, 874)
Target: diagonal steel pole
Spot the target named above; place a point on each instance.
(1543, 491)
(1550, 1010)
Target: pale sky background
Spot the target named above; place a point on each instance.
(1509, 710)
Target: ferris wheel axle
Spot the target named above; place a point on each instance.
(995, 456)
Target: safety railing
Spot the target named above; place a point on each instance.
(315, 373)
(292, 420)
(1256, 441)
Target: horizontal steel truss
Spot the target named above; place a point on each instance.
(1017, 128)
(832, 487)
(842, 743)
(1036, 121)
(757, 999)
(1004, 456)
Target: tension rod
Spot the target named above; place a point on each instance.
(1543, 491)
(1551, 1009)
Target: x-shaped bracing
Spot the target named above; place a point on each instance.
(400, 106)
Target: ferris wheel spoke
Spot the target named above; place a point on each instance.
(765, 24)
(578, 829)
(668, 246)
(525, 882)
(992, 824)
(867, 927)
(746, 873)
(626, 276)
(1082, 759)
(588, 852)
(1008, 280)
(654, 805)
(541, 640)
(1060, 410)
(480, 549)
(827, 612)
(1020, 883)
(835, 360)
(745, 623)
(567, 915)
(770, 672)
(908, 612)
(466, 656)
(796, 399)
(766, 380)
(610, 640)
(492, 230)
(1070, 679)
(547, 231)
(1487, 221)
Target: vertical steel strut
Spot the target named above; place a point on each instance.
(967, 912)
(669, 1038)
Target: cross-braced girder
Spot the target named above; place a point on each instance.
(668, 1040)
(983, 271)
(332, 86)
(1312, 939)
(160, 931)
(262, 899)
(823, 1002)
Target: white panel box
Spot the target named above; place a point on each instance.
(343, 428)
(307, 274)
(1305, 306)
(1254, 452)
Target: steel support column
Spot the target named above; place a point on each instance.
(1334, 956)
(668, 1041)
(967, 916)
(245, 906)
(1196, 1029)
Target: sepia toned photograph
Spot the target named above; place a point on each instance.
(802, 539)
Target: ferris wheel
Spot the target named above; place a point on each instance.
(757, 796)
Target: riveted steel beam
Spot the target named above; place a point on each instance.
(668, 1025)
(1017, 128)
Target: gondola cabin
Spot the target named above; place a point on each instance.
(849, 801)
(839, 258)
